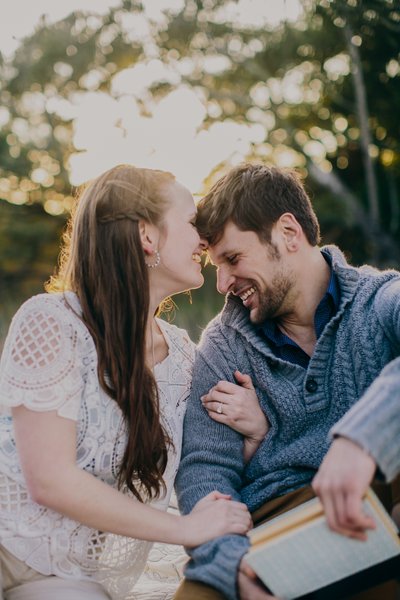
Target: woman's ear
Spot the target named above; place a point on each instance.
(149, 236)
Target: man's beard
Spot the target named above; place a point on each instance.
(271, 299)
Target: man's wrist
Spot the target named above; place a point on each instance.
(356, 445)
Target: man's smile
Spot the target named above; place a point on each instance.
(246, 293)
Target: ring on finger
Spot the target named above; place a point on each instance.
(219, 408)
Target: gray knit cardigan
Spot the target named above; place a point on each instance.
(355, 358)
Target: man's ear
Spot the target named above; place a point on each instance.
(149, 236)
(291, 231)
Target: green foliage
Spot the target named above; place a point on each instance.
(325, 89)
(193, 310)
(348, 108)
(29, 244)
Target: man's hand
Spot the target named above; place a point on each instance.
(250, 588)
(341, 482)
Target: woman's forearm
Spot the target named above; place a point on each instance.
(46, 446)
(83, 498)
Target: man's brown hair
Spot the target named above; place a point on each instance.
(253, 197)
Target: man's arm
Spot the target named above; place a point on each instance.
(374, 422)
(341, 482)
(367, 437)
(212, 459)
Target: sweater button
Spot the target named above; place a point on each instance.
(311, 385)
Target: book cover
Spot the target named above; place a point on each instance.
(296, 553)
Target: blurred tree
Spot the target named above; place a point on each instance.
(319, 93)
(29, 240)
(324, 88)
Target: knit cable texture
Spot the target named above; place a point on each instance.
(358, 342)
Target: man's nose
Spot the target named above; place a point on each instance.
(224, 281)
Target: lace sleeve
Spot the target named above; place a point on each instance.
(40, 367)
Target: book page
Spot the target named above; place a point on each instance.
(311, 556)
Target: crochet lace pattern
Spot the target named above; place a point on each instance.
(49, 362)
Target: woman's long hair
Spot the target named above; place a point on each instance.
(103, 262)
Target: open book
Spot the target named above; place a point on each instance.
(296, 553)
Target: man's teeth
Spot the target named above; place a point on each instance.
(244, 296)
(196, 257)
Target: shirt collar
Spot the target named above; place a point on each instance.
(270, 328)
(333, 289)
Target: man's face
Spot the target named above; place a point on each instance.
(255, 271)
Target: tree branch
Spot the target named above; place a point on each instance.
(362, 110)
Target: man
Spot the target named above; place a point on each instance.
(313, 334)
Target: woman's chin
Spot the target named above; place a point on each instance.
(200, 281)
(193, 284)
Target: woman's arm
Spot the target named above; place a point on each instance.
(46, 445)
(238, 407)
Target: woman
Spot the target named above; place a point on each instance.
(97, 388)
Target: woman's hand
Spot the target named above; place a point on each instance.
(238, 407)
(213, 516)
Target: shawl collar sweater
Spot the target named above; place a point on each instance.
(302, 405)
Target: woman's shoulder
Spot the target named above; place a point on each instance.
(44, 356)
(49, 316)
(61, 303)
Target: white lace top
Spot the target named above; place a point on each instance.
(49, 362)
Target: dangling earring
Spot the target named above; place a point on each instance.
(157, 261)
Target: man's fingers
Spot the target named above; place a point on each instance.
(247, 570)
(355, 518)
(345, 516)
(339, 509)
(330, 512)
(249, 589)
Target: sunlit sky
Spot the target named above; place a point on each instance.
(109, 128)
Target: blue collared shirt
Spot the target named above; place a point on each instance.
(283, 346)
